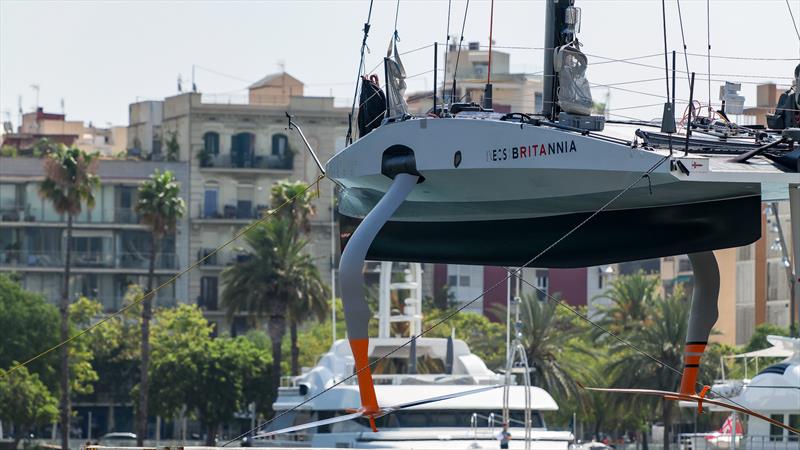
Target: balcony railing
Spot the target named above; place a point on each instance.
(232, 212)
(220, 258)
(142, 260)
(125, 215)
(21, 258)
(29, 213)
(271, 162)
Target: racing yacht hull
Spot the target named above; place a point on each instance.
(498, 193)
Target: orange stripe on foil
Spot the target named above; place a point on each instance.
(366, 388)
(689, 380)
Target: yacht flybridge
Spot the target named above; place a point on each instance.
(557, 188)
(445, 367)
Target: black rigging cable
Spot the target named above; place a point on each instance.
(664, 28)
(349, 138)
(794, 23)
(708, 52)
(446, 51)
(683, 39)
(458, 54)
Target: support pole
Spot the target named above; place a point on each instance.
(351, 279)
(794, 207)
(702, 317)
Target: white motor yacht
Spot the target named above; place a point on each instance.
(472, 421)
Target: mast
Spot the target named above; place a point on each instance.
(554, 36)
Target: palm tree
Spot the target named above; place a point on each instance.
(160, 206)
(630, 297)
(297, 197)
(298, 211)
(551, 345)
(662, 339)
(70, 179)
(278, 273)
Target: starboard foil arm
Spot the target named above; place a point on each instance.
(351, 275)
(702, 316)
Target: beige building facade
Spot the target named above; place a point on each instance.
(235, 153)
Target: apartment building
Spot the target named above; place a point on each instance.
(111, 246)
(519, 92)
(234, 153)
(55, 127)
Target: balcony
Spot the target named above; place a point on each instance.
(241, 212)
(126, 215)
(35, 214)
(81, 260)
(219, 259)
(253, 162)
(164, 261)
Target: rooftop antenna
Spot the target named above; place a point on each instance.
(180, 86)
(63, 111)
(19, 111)
(194, 85)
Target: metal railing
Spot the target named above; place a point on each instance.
(23, 258)
(231, 212)
(706, 441)
(256, 161)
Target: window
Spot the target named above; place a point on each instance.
(211, 143)
(244, 201)
(794, 422)
(541, 279)
(776, 432)
(242, 149)
(210, 201)
(280, 145)
(452, 280)
(208, 293)
(464, 280)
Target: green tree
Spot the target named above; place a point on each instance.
(298, 210)
(483, 336)
(629, 298)
(277, 273)
(25, 401)
(160, 207)
(69, 183)
(550, 341)
(173, 147)
(27, 322)
(213, 378)
(662, 342)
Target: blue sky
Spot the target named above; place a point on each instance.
(101, 56)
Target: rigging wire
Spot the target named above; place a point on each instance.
(491, 24)
(396, 36)
(683, 39)
(349, 138)
(465, 305)
(708, 51)
(458, 54)
(269, 214)
(794, 23)
(446, 51)
(664, 28)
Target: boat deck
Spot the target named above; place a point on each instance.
(717, 167)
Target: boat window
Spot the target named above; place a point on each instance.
(415, 419)
(794, 422)
(776, 432)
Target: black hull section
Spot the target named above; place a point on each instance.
(609, 237)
